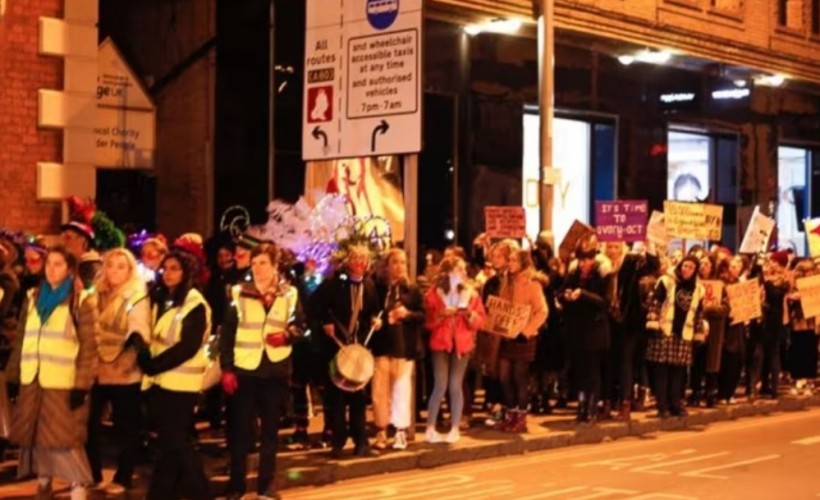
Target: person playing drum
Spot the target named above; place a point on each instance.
(347, 306)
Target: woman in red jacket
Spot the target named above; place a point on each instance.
(454, 315)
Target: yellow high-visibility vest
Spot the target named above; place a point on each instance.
(50, 349)
(112, 325)
(188, 376)
(255, 324)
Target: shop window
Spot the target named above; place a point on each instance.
(815, 17)
(793, 197)
(790, 14)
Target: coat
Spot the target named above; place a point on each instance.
(43, 418)
(587, 319)
(456, 332)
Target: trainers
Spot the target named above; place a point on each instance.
(431, 436)
(401, 440)
(496, 416)
(453, 436)
(381, 440)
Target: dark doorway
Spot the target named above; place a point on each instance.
(129, 198)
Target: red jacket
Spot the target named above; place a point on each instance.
(458, 330)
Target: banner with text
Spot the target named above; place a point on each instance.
(506, 318)
(809, 288)
(623, 220)
(505, 222)
(758, 233)
(696, 221)
(744, 299)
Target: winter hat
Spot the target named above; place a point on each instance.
(191, 244)
(80, 214)
(781, 257)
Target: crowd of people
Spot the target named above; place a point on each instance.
(255, 338)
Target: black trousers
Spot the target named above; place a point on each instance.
(766, 356)
(514, 376)
(340, 401)
(700, 381)
(590, 366)
(178, 472)
(265, 398)
(669, 385)
(126, 413)
(629, 362)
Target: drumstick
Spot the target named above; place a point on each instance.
(372, 327)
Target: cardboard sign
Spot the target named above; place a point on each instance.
(809, 289)
(813, 235)
(696, 221)
(621, 220)
(744, 299)
(758, 233)
(505, 318)
(577, 231)
(656, 230)
(714, 293)
(505, 222)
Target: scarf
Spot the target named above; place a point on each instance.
(49, 298)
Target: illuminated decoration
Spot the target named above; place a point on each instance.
(499, 26)
(235, 221)
(731, 94)
(770, 80)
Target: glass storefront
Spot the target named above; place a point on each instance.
(793, 197)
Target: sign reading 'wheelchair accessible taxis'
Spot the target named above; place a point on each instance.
(362, 78)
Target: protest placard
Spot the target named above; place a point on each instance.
(623, 220)
(757, 234)
(744, 300)
(505, 222)
(697, 221)
(809, 289)
(506, 318)
(577, 232)
(713, 296)
(813, 235)
(656, 230)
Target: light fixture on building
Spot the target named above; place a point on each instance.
(770, 80)
(500, 26)
(724, 94)
(740, 83)
(449, 235)
(646, 56)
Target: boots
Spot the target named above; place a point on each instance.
(625, 412)
(582, 415)
(592, 410)
(640, 399)
(606, 411)
(518, 422)
(503, 423)
(711, 399)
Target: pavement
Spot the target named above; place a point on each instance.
(774, 457)
(315, 468)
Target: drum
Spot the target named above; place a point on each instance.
(352, 368)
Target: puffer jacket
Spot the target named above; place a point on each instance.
(456, 332)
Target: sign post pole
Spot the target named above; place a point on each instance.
(546, 45)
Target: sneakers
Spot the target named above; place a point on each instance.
(431, 436)
(400, 442)
(381, 440)
(453, 436)
(496, 416)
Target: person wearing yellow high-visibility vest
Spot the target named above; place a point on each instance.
(176, 362)
(261, 323)
(123, 310)
(55, 363)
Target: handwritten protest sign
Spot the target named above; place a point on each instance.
(656, 230)
(621, 220)
(744, 299)
(697, 221)
(714, 293)
(505, 318)
(757, 233)
(577, 232)
(809, 289)
(505, 222)
(813, 235)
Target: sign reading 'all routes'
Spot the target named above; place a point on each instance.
(362, 78)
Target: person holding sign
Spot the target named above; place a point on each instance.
(454, 315)
(733, 355)
(518, 347)
(803, 345)
(676, 317)
(586, 316)
(708, 350)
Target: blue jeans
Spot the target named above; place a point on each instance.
(449, 370)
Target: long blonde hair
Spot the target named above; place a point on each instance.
(134, 282)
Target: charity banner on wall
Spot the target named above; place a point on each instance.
(506, 318)
(577, 232)
(695, 221)
(809, 288)
(713, 293)
(758, 233)
(505, 222)
(744, 300)
(622, 220)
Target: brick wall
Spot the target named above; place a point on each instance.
(22, 143)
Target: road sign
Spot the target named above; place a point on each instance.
(362, 78)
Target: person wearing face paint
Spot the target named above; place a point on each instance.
(124, 309)
(676, 317)
(175, 363)
(586, 316)
(347, 306)
(455, 312)
(261, 324)
(55, 363)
